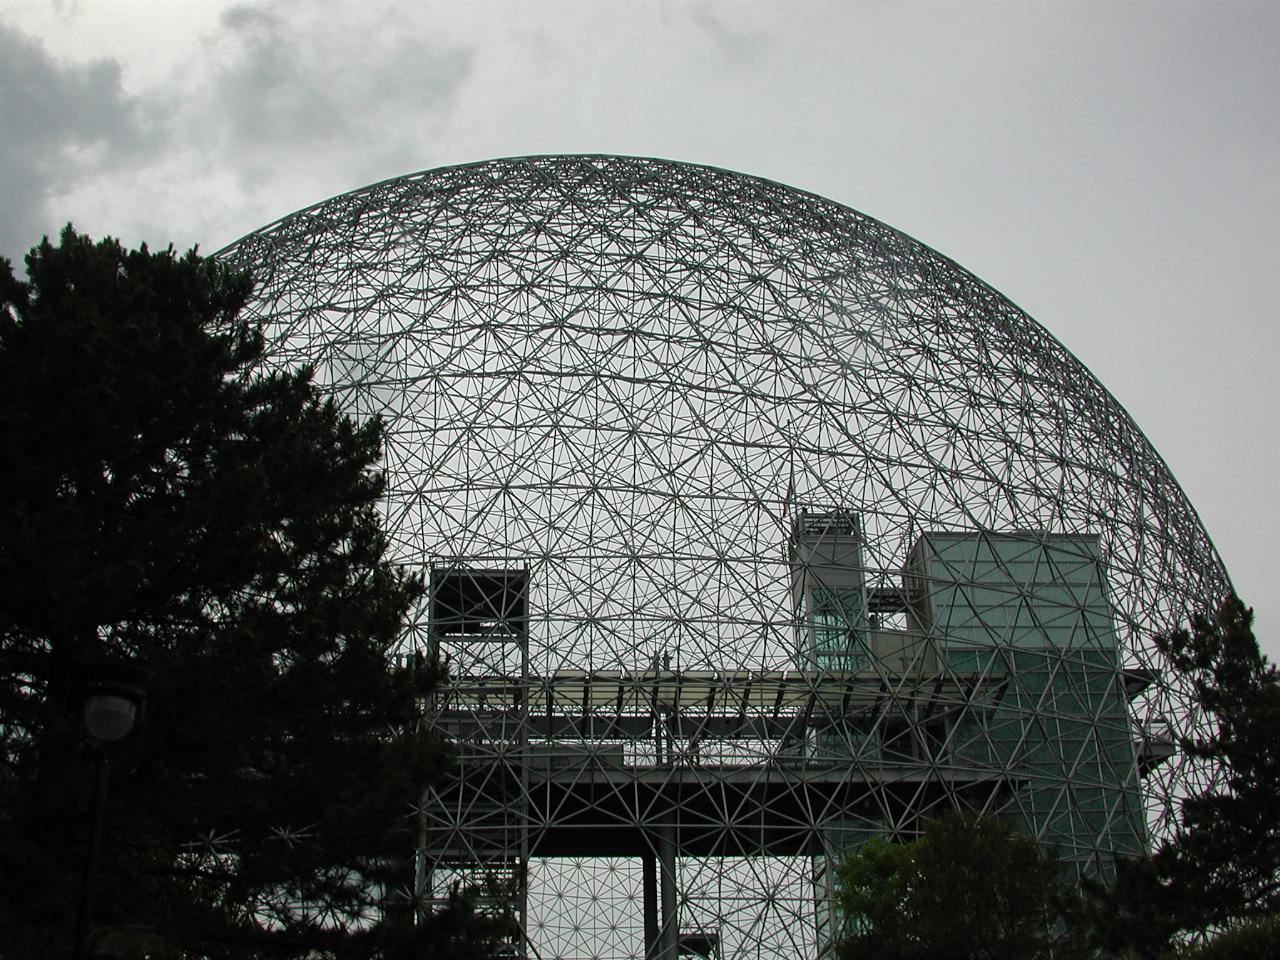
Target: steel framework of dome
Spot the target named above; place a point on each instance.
(753, 528)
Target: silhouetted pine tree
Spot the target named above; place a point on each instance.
(1224, 862)
(1222, 866)
(163, 502)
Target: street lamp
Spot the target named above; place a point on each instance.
(114, 701)
(112, 709)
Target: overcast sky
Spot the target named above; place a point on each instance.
(1112, 166)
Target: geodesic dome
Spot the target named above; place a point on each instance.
(754, 527)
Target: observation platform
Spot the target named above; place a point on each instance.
(594, 807)
(736, 763)
(739, 693)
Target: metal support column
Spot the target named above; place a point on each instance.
(669, 936)
(650, 890)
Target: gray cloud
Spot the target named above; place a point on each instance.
(299, 82)
(1113, 172)
(59, 122)
(278, 104)
(736, 42)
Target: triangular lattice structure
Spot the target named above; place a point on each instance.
(754, 528)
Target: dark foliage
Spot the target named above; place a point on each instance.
(161, 502)
(1224, 861)
(970, 887)
(1257, 939)
(1134, 915)
(1222, 866)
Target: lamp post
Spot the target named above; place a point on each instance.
(113, 701)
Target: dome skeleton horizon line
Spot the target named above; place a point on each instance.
(685, 418)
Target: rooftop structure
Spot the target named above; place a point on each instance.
(753, 528)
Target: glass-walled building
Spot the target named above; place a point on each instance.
(995, 661)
